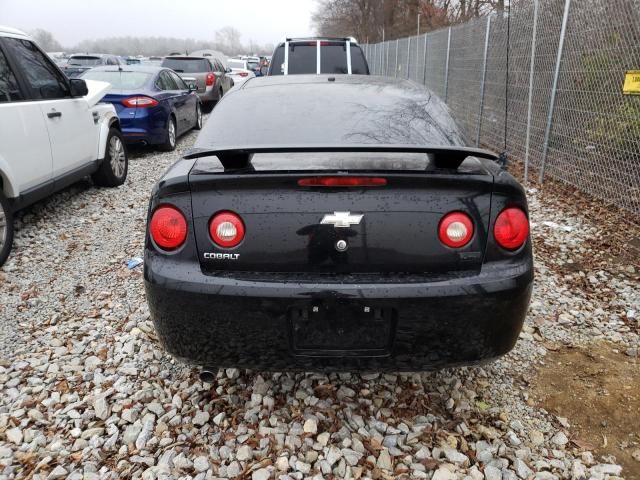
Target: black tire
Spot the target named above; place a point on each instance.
(208, 106)
(198, 125)
(6, 229)
(113, 169)
(172, 140)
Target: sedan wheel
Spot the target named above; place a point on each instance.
(170, 144)
(171, 132)
(198, 125)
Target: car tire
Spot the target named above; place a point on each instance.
(115, 165)
(170, 144)
(198, 125)
(6, 229)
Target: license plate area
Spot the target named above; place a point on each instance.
(341, 329)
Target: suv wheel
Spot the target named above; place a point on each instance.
(170, 144)
(6, 229)
(113, 169)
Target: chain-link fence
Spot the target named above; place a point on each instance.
(566, 115)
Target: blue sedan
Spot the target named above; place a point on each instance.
(154, 104)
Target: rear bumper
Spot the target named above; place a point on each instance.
(211, 94)
(221, 322)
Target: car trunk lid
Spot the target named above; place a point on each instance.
(296, 228)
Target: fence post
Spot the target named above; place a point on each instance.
(424, 71)
(381, 57)
(417, 53)
(396, 67)
(446, 67)
(386, 48)
(484, 77)
(408, 56)
(531, 69)
(552, 102)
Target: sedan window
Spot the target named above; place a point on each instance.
(9, 90)
(119, 80)
(43, 77)
(165, 82)
(178, 81)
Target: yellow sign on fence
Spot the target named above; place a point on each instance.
(631, 83)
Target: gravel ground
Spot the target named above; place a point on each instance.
(87, 392)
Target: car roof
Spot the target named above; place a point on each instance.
(98, 55)
(186, 57)
(12, 31)
(130, 68)
(329, 109)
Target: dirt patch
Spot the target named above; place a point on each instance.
(598, 390)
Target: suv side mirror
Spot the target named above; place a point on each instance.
(78, 87)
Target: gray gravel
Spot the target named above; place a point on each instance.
(87, 392)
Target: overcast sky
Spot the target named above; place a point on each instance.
(71, 21)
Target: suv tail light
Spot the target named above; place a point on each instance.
(142, 102)
(243, 74)
(226, 229)
(211, 79)
(511, 229)
(168, 227)
(456, 229)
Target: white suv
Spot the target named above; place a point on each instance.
(53, 131)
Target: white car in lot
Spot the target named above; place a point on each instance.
(240, 71)
(53, 131)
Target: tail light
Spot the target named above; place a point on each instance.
(342, 182)
(211, 79)
(142, 102)
(456, 229)
(168, 227)
(243, 74)
(511, 229)
(226, 229)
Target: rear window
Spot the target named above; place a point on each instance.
(120, 80)
(333, 58)
(253, 65)
(277, 62)
(236, 64)
(303, 161)
(358, 62)
(302, 58)
(85, 60)
(187, 65)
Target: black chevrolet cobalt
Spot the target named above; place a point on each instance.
(343, 225)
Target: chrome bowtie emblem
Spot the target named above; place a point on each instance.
(341, 219)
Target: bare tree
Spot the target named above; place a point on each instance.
(371, 20)
(46, 40)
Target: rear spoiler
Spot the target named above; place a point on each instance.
(238, 158)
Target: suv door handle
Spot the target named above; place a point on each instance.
(54, 114)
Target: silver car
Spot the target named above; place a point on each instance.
(208, 74)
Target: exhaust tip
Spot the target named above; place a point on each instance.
(207, 376)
